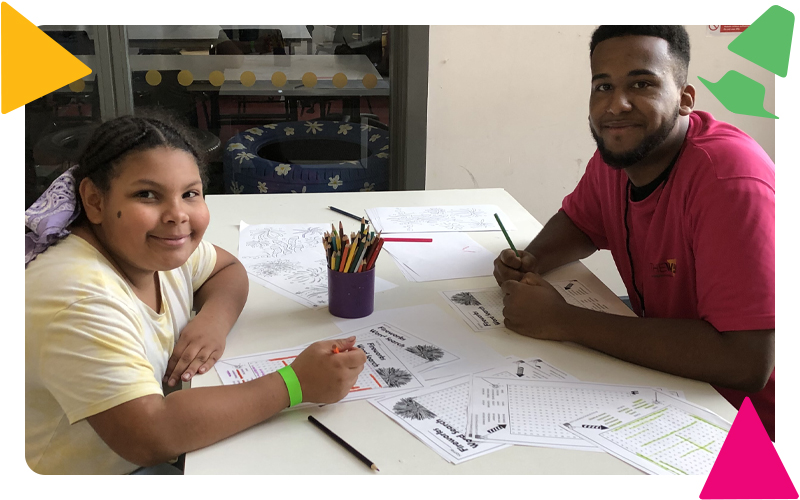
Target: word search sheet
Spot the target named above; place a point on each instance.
(659, 434)
(530, 412)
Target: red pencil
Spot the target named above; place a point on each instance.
(372, 259)
(410, 240)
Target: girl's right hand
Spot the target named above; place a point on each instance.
(326, 376)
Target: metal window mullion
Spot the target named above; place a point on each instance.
(121, 68)
(104, 74)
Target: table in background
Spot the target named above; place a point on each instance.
(288, 444)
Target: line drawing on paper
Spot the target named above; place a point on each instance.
(465, 299)
(277, 242)
(452, 219)
(274, 268)
(410, 409)
(394, 377)
(427, 352)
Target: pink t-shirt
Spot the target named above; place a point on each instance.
(702, 244)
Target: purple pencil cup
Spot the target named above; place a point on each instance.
(351, 295)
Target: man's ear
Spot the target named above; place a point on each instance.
(687, 100)
(92, 201)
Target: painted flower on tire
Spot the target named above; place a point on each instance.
(244, 156)
(249, 138)
(289, 131)
(236, 145)
(270, 126)
(313, 127)
(335, 182)
(254, 131)
(262, 187)
(343, 129)
(382, 155)
(236, 188)
(303, 191)
(368, 187)
(283, 169)
(374, 137)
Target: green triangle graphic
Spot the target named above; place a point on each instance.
(739, 94)
(767, 41)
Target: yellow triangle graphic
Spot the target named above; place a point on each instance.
(32, 64)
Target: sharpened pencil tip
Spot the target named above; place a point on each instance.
(375, 468)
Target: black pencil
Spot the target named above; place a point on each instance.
(342, 442)
(359, 219)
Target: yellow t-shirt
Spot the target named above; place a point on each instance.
(90, 345)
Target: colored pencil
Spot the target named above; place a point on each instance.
(508, 239)
(342, 442)
(339, 210)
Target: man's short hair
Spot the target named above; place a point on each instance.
(675, 35)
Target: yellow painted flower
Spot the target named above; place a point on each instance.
(262, 187)
(335, 182)
(313, 127)
(385, 148)
(244, 156)
(249, 138)
(303, 191)
(368, 187)
(236, 145)
(289, 131)
(343, 129)
(236, 188)
(382, 155)
(375, 137)
(271, 126)
(254, 130)
(283, 168)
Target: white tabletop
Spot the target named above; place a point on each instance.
(270, 321)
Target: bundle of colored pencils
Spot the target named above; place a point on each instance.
(354, 254)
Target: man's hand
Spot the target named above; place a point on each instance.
(327, 376)
(534, 308)
(510, 267)
(199, 346)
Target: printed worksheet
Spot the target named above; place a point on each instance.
(290, 260)
(658, 434)
(449, 256)
(437, 219)
(383, 372)
(481, 308)
(438, 415)
(420, 354)
(530, 412)
(578, 294)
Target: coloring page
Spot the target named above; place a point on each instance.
(658, 434)
(437, 219)
(481, 308)
(290, 259)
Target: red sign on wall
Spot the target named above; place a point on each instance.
(727, 28)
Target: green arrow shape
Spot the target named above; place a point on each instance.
(767, 42)
(739, 94)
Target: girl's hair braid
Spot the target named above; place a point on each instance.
(115, 139)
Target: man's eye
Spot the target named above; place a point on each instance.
(641, 85)
(602, 87)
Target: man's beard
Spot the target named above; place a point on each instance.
(637, 154)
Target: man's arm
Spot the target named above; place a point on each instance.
(694, 349)
(559, 242)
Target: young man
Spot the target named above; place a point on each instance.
(686, 205)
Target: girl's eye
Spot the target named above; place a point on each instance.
(145, 194)
(641, 85)
(602, 87)
(191, 194)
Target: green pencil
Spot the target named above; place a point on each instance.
(506, 234)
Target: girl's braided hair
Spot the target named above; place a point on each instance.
(112, 141)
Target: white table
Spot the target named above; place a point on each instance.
(270, 321)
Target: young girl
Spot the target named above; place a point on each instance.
(107, 313)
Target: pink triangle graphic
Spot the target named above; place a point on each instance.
(748, 465)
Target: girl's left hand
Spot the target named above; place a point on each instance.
(199, 346)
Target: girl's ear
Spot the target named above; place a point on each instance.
(92, 201)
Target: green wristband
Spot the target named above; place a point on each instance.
(292, 384)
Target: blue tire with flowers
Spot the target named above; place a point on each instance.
(346, 157)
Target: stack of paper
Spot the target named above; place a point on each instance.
(448, 256)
